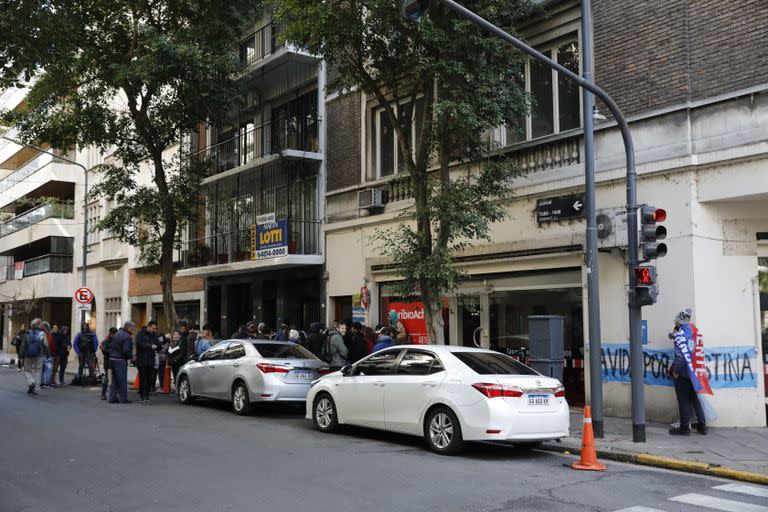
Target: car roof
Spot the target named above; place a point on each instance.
(443, 348)
(275, 342)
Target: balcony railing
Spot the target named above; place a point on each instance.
(298, 132)
(26, 171)
(235, 246)
(57, 263)
(38, 214)
(260, 45)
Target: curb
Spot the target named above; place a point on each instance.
(647, 459)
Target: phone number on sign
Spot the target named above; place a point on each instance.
(272, 253)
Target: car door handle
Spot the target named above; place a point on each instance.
(379, 384)
(429, 384)
(236, 365)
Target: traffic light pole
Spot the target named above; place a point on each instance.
(635, 315)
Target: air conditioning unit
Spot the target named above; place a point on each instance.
(371, 198)
(612, 228)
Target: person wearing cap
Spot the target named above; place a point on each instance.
(685, 377)
(147, 345)
(293, 336)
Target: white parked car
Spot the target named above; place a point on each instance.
(245, 372)
(447, 394)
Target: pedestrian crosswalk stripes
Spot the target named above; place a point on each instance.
(705, 501)
(760, 492)
(715, 503)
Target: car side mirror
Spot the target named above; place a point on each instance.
(346, 370)
(195, 357)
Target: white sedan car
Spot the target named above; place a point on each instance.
(447, 394)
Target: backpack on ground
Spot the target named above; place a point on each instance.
(34, 344)
(85, 343)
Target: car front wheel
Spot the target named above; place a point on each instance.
(241, 404)
(324, 413)
(443, 432)
(185, 393)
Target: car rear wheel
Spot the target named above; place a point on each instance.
(324, 413)
(443, 432)
(241, 404)
(185, 393)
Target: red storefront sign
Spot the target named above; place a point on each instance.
(411, 314)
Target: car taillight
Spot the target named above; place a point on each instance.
(272, 368)
(324, 371)
(559, 391)
(496, 390)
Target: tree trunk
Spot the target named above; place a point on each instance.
(433, 315)
(170, 223)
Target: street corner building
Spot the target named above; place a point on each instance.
(697, 104)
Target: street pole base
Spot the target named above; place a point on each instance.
(638, 433)
(597, 426)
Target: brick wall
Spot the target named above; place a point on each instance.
(140, 284)
(343, 141)
(652, 54)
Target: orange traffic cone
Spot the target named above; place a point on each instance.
(136, 382)
(588, 453)
(167, 380)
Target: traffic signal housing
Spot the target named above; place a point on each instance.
(646, 291)
(651, 232)
(414, 9)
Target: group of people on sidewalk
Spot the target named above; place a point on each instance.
(345, 342)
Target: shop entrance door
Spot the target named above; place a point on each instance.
(470, 320)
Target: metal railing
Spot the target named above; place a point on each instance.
(58, 263)
(299, 132)
(36, 215)
(26, 171)
(234, 246)
(261, 44)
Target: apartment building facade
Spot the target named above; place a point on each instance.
(697, 103)
(258, 242)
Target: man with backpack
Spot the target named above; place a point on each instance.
(86, 344)
(34, 346)
(334, 350)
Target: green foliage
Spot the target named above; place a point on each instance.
(131, 78)
(469, 83)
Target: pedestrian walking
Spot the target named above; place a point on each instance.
(357, 346)
(63, 344)
(46, 363)
(147, 345)
(334, 350)
(105, 348)
(34, 346)
(686, 382)
(16, 342)
(120, 352)
(86, 343)
(316, 340)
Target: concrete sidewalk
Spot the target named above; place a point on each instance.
(6, 358)
(738, 449)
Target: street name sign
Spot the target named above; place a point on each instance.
(560, 208)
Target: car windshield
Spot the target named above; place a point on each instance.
(282, 351)
(487, 363)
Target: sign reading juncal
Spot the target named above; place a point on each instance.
(272, 239)
(560, 208)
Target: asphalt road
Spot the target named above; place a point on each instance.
(66, 450)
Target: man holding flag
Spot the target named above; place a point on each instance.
(687, 382)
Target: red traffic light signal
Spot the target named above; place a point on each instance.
(645, 275)
(650, 232)
(646, 291)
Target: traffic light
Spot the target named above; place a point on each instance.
(651, 232)
(414, 9)
(645, 285)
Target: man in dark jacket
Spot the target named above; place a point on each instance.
(86, 344)
(62, 344)
(147, 345)
(105, 343)
(358, 349)
(315, 340)
(120, 352)
(16, 342)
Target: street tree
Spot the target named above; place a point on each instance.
(452, 82)
(131, 78)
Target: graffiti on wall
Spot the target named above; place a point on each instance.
(727, 367)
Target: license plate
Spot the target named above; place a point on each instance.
(303, 375)
(538, 399)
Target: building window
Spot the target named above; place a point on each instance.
(112, 312)
(386, 157)
(94, 217)
(556, 99)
